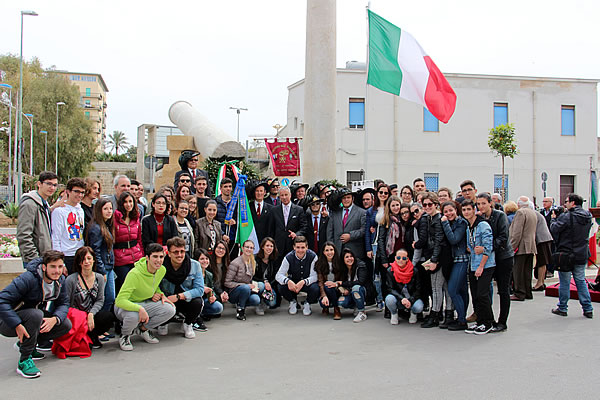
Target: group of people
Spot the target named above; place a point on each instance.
(117, 261)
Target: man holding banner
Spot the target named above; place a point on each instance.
(244, 228)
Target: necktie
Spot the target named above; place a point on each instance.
(345, 217)
(275, 201)
(258, 209)
(193, 174)
(316, 239)
(286, 213)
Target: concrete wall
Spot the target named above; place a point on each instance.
(399, 150)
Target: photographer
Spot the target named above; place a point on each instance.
(570, 232)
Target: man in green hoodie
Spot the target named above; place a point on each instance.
(141, 305)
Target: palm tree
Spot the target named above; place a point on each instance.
(117, 141)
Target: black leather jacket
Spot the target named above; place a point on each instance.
(573, 238)
(499, 223)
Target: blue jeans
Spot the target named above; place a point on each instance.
(261, 289)
(209, 309)
(391, 302)
(458, 289)
(356, 298)
(242, 296)
(564, 290)
(332, 296)
(109, 290)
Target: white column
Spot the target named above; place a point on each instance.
(319, 156)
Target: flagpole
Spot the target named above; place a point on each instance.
(366, 143)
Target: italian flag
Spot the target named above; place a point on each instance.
(398, 65)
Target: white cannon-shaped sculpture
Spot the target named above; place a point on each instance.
(210, 140)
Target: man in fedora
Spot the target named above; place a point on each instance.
(188, 161)
(346, 228)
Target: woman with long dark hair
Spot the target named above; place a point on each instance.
(181, 193)
(219, 261)
(193, 210)
(266, 269)
(158, 227)
(101, 239)
(128, 237)
(328, 266)
(212, 304)
(374, 217)
(208, 230)
(354, 283)
(184, 229)
(85, 288)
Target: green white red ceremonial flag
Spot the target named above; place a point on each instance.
(398, 65)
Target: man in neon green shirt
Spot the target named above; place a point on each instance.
(141, 305)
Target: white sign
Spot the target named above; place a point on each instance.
(360, 185)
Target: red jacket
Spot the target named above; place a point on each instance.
(127, 233)
(76, 343)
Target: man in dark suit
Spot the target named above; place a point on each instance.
(346, 227)
(261, 210)
(272, 198)
(316, 224)
(287, 222)
(188, 161)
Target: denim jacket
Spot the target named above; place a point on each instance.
(455, 232)
(193, 286)
(480, 234)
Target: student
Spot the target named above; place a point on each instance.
(238, 281)
(354, 284)
(212, 306)
(184, 229)
(68, 222)
(101, 239)
(328, 266)
(158, 227)
(219, 261)
(128, 237)
(407, 194)
(419, 186)
(266, 269)
(208, 230)
(297, 274)
(183, 285)
(34, 307)
(403, 288)
(223, 200)
(33, 227)
(193, 210)
(92, 193)
(480, 242)
(201, 186)
(182, 192)
(136, 188)
(141, 305)
(85, 288)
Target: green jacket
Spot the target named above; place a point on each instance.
(140, 285)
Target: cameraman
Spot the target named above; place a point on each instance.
(571, 233)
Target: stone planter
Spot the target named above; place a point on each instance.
(11, 265)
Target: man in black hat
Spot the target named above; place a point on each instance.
(260, 209)
(273, 198)
(188, 161)
(316, 223)
(346, 227)
(365, 198)
(298, 191)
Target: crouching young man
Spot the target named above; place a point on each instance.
(34, 307)
(141, 305)
(297, 274)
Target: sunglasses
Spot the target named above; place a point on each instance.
(428, 204)
(383, 192)
(184, 180)
(401, 258)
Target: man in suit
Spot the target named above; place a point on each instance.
(546, 211)
(188, 161)
(346, 227)
(287, 222)
(272, 199)
(261, 210)
(316, 224)
(522, 238)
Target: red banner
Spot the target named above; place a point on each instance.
(285, 157)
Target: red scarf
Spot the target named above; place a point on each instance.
(403, 275)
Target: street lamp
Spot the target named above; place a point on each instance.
(60, 103)
(45, 151)
(30, 120)
(9, 87)
(238, 109)
(20, 105)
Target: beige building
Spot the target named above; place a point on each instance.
(92, 91)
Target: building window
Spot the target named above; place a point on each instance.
(356, 113)
(567, 123)
(88, 91)
(500, 114)
(353, 176)
(498, 185)
(430, 123)
(87, 115)
(567, 185)
(74, 77)
(432, 181)
(295, 123)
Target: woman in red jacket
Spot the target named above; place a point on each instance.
(128, 237)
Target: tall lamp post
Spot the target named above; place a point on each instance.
(10, 185)
(238, 110)
(60, 103)
(45, 151)
(20, 105)
(29, 118)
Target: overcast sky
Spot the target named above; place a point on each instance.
(240, 53)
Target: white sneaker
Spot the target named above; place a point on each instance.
(360, 317)
(413, 318)
(306, 309)
(163, 330)
(293, 307)
(188, 331)
(260, 309)
(147, 335)
(394, 319)
(125, 343)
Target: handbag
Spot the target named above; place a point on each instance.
(564, 261)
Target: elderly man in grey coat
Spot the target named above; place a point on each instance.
(346, 228)
(522, 239)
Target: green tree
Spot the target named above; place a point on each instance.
(502, 142)
(42, 89)
(117, 141)
(132, 153)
